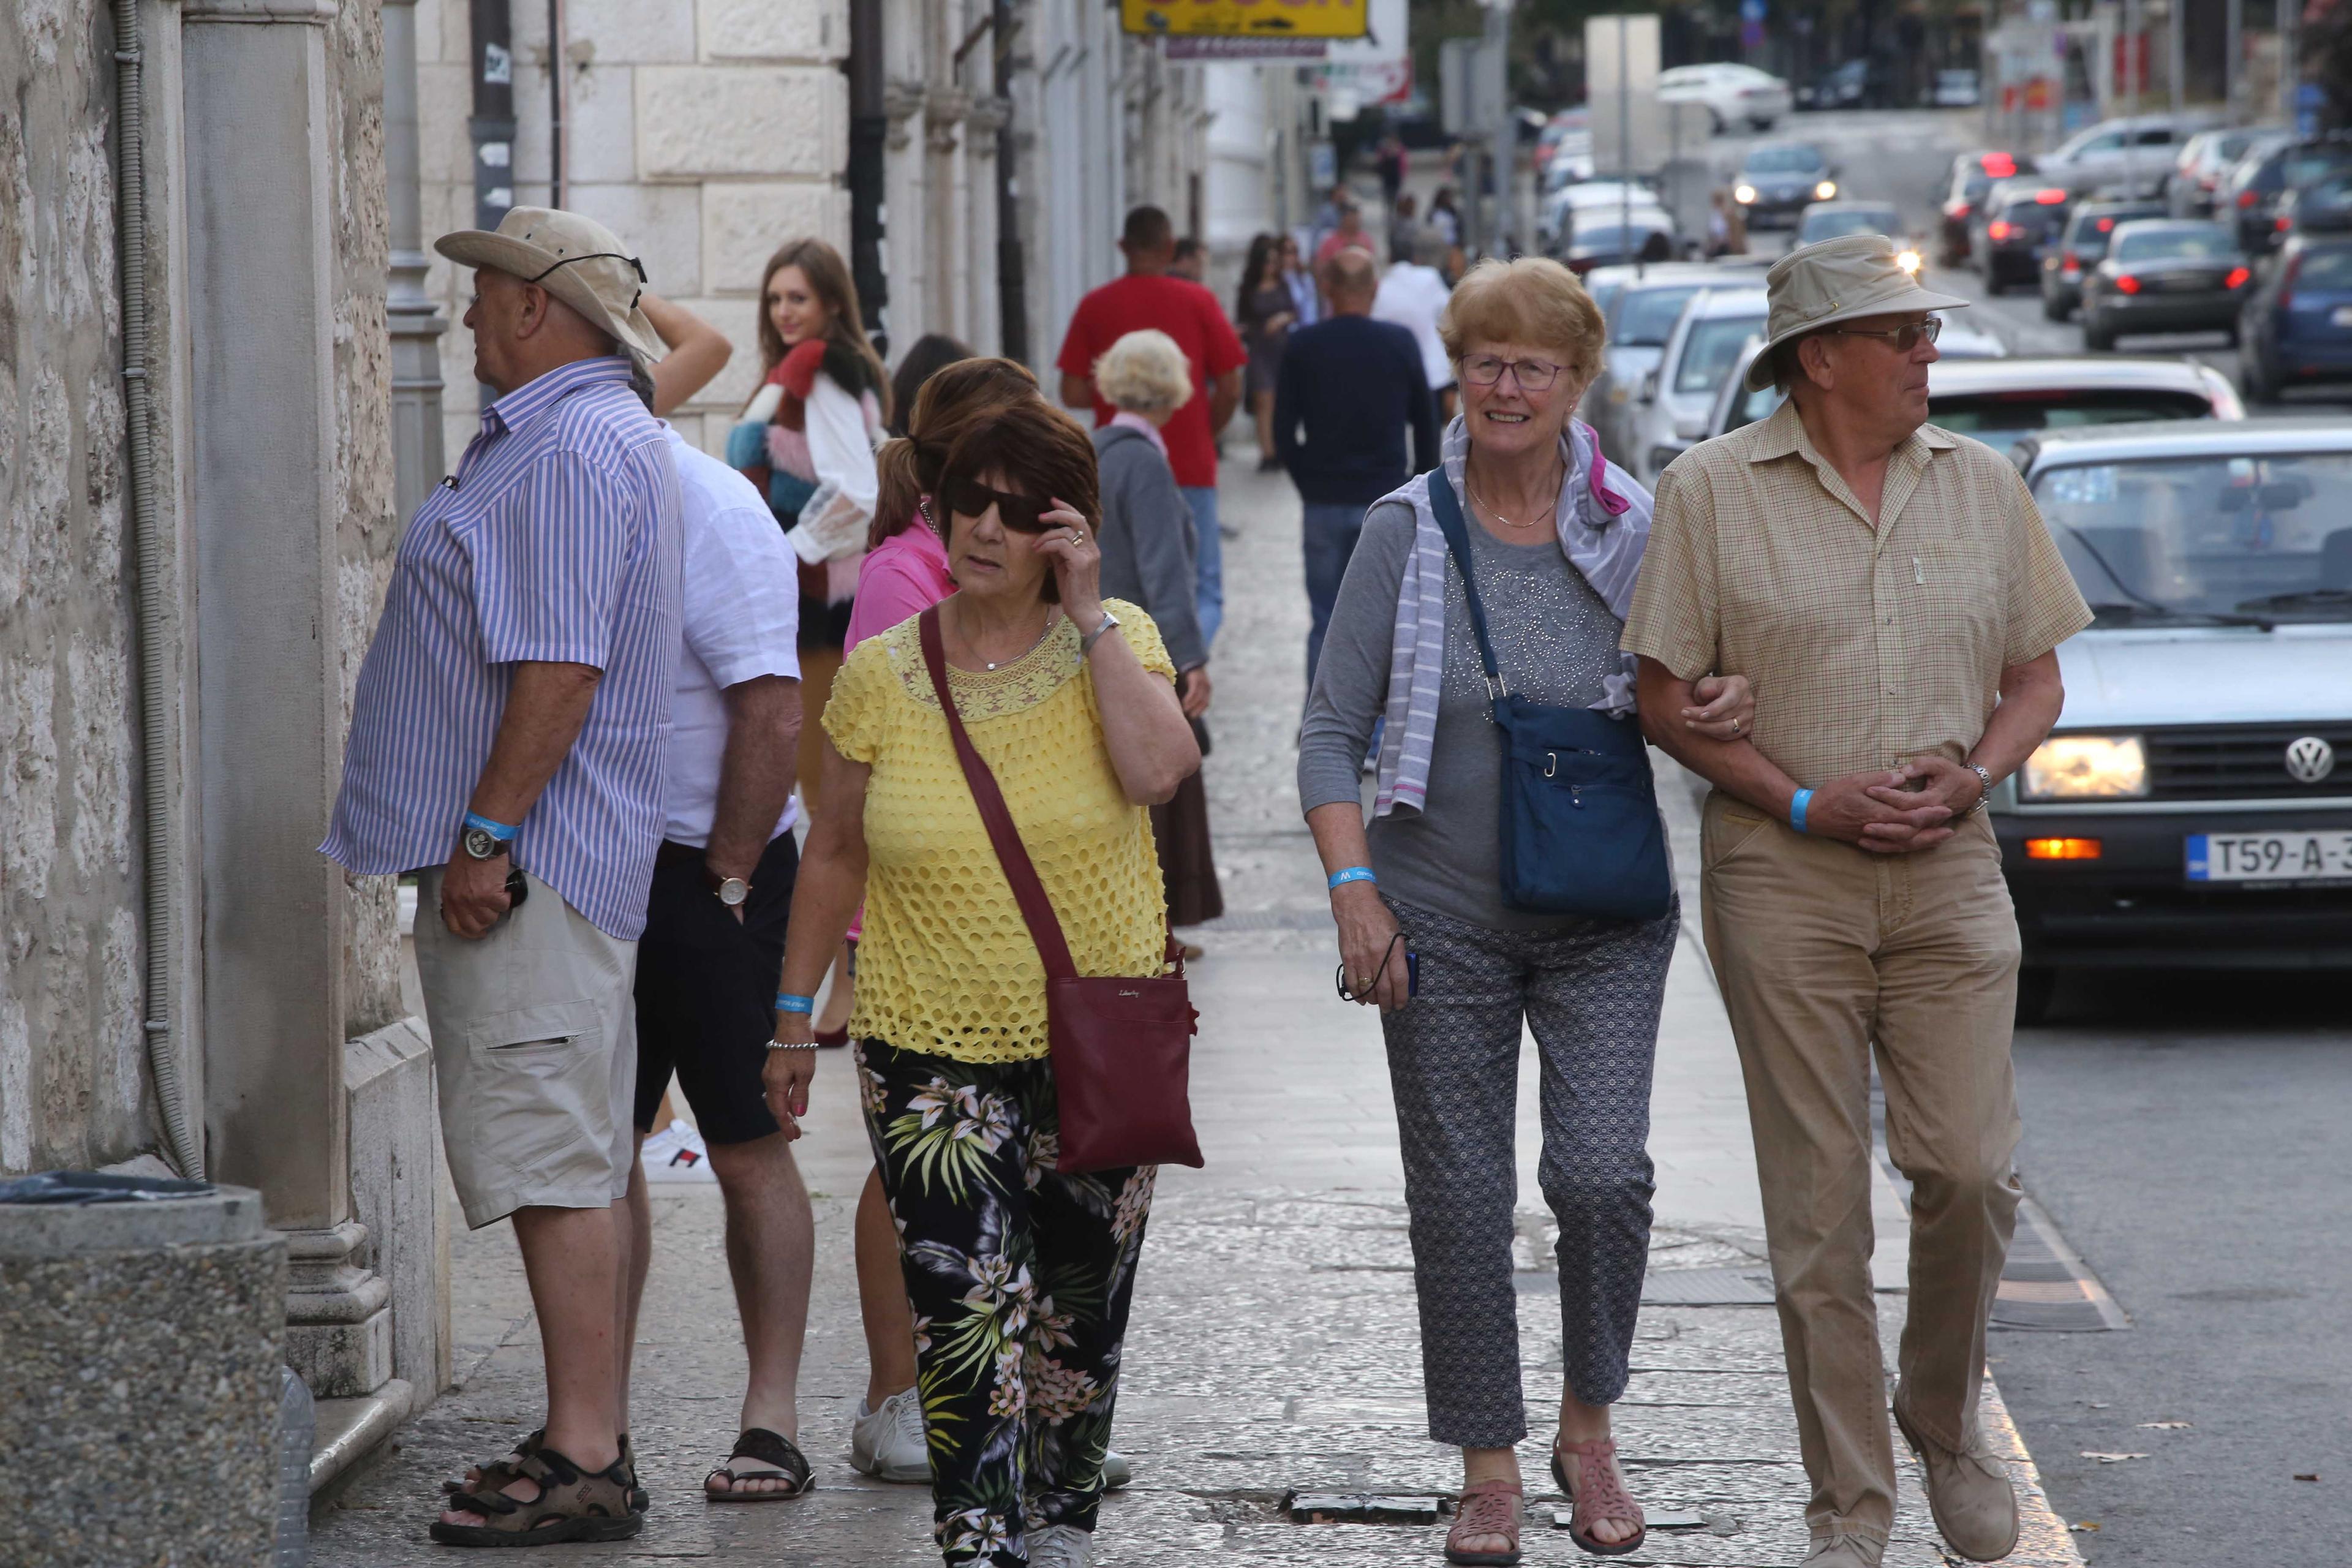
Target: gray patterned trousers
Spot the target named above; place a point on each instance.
(1591, 994)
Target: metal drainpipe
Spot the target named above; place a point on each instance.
(154, 665)
(492, 125)
(869, 131)
(1012, 266)
(555, 84)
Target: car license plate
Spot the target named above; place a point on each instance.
(2270, 857)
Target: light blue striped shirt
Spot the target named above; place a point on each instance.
(557, 539)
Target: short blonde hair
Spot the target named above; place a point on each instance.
(1532, 299)
(1144, 372)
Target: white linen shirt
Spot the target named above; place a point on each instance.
(739, 596)
(1414, 297)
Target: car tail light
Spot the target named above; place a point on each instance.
(1957, 209)
(2063, 848)
(2126, 283)
(2051, 197)
(1999, 230)
(2237, 278)
(2106, 225)
(2279, 224)
(2070, 261)
(2000, 165)
(2245, 198)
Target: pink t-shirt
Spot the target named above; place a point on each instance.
(903, 576)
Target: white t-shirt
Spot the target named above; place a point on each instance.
(739, 594)
(1413, 298)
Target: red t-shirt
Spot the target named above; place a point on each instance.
(1185, 312)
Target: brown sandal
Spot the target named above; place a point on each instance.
(1490, 1508)
(1605, 1498)
(497, 1474)
(573, 1504)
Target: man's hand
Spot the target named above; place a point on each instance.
(723, 873)
(1931, 779)
(474, 894)
(1193, 690)
(1873, 811)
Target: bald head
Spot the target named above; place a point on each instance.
(1351, 278)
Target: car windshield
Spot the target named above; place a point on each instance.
(2330, 269)
(1712, 349)
(2001, 419)
(2206, 536)
(1603, 295)
(2212, 244)
(1783, 160)
(1850, 220)
(1612, 238)
(1648, 315)
(2301, 165)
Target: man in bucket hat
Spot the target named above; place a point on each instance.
(507, 746)
(1894, 598)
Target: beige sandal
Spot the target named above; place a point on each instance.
(1490, 1508)
(573, 1504)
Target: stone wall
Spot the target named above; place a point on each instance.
(704, 132)
(72, 1081)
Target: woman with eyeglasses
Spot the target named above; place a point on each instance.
(1556, 538)
(1019, 1276)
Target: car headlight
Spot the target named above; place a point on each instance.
(1825, 190)
(1743, 195)
(1909, 260)
(2085, 767)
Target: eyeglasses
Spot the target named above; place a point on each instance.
(1024, 514)
(1905, 338)
(1532, 374)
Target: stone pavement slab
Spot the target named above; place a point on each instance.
(1275, 1343)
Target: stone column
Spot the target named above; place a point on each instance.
(417, 321)
(269, 630)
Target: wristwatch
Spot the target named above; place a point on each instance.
(1984, 796)
(731, 890)
(481, 843)
(1087, 640)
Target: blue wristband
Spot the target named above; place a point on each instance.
(1797, 803)
(1351, 874)
(498, 830)
(788, 1003)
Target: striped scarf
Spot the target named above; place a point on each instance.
(1604, 524)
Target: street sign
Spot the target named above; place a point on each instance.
(1630, 128)
(1247, 18)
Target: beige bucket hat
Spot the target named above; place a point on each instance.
(575, 258)
(1832, 280)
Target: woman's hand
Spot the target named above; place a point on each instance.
(1068, 546)
(1728, 710)
(785, 1077)
(1369, 946)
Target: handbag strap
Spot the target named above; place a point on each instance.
(1045, 927)
(1448, 512)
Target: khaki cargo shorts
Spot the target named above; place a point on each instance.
(535, 1052)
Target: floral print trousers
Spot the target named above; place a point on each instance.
(1020, 1279)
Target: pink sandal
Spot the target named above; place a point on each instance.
(1490, 1508)
(1605, 1498)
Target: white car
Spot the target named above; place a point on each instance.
(1670, 413)
(1556, 216)
(1733, 95)
(2137, 153)
(1641, 306)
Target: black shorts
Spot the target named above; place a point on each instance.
(707, 991)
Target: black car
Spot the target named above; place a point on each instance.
(1855, 84)
(2296, 330)
(2020, 220)
(2266, 175)
(2165, 275)
(1972, 178)
(2081, 247)
(1779, 180)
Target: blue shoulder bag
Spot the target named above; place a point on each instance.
(1580, 829)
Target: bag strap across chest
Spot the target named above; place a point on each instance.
(1450, 523)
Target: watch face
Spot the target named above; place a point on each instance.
(481, 844)
(733, 891)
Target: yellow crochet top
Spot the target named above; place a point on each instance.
(946, 966)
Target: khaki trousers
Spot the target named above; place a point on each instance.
(1822, 950)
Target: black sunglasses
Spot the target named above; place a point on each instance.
(1024, 515)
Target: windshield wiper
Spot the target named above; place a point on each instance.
(2304, 599)
(2167, 614)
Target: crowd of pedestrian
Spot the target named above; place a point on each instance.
(887, 729)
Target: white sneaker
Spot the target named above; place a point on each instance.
(1060, 1546)
(676, 1154)
(1117, 1470)
(889, 1444)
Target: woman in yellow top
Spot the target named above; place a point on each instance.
(1019, 1276)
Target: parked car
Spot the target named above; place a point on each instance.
(1733, 95)
(2138, 151)
(1972, 178)
(2194, 807)
(1828, 220)
(2165, 275)
(1671, 410)
(1556, 216)
(2023, 218)
(1853, 84)
(2081, 246)
(1736, 405)
(1603, 236)
(1777, 180)
(2296, 329)
(1563, 129)
(1640, 317)
(2203, 166)
(2265, 174)
(2324, 205)
(1957, 88)
(2004, 402)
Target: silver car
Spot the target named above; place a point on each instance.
(1671, 411)
(1642, 305)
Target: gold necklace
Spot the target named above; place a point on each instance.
(1490, 511)
(1017, 659)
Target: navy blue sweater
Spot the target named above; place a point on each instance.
(1350, 387)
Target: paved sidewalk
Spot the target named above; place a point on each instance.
(1275, 1345)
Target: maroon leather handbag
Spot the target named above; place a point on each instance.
(1122, 1045)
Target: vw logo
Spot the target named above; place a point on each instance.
(2310, 760)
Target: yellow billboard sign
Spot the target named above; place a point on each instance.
(1247, 18)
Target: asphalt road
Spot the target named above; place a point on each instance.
(2191, 1135)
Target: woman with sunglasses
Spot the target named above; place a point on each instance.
(1555, 537)
(1020, 1276)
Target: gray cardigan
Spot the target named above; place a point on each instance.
(1149, 544)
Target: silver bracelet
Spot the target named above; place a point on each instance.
(1984, 796)
(1087, 640)
(791, 1045)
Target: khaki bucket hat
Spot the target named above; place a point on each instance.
(1832, 280)
(575, 258)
